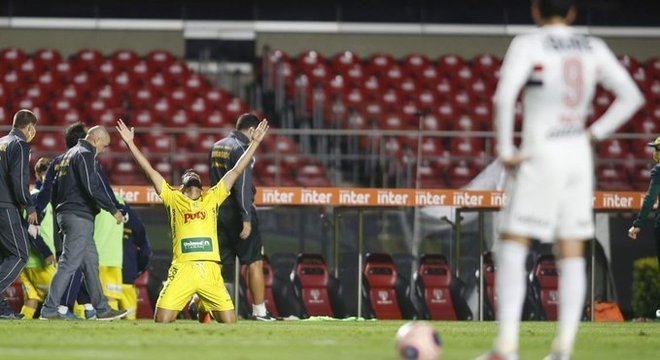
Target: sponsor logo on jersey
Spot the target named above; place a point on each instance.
(199, 215)
(196, 245)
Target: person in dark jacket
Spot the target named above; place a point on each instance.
(14, 199)
(77, 197)
(238, 225)
(75, 291)
(650, 201)
(137, 253)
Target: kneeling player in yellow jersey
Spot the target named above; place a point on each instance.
(192, 214)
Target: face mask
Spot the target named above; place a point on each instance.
(31, 133)
(192, 181)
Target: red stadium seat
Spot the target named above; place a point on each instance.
(160, 60)
(439, 291)
(613, 149)
(124, 83)
(179, 98)
(142, 98)
(269, 279)
(84, 82)
(48, 84)
(414, 64)
(160, 84)
(433, 122)
(144, 308)
(345, 60)
(444, 88)
(408, 88)
(641, 177)
(236, 107)
(63, 72)
(28, 72)
(313, 284)
(126, 172)
(96, 107)
(449, 65)
(355, 75)
(142, 118)
(612, 177)
(107, 71)
(380, 275)
(109, 95)
(4, 96)
(12, 58)
(180, 118)
(392, 99)
(312, 175)
(125, 59)
(159, 142)
(88, 60)
(217, 98)
(196, 85)
(354, 99)
(460, 174)
(309, 59)
(46, 59)
(217, 119)
(393, 76)
(486, 65)
(162, 110)
(372, 87)
(428, 76)
(141, 72)
(466, 147)
(49, 142)
(379, 64)
(178, 72)
(547, 276)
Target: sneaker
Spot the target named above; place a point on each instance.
(267, 317)
(69, 316)
(557, 356)
(496, 356)
(111, 315)
(90, 314)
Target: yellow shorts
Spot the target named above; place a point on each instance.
(203, 278)
(36, 282)
(129, 300)
(112, 282)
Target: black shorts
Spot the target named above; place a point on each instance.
(230, 225)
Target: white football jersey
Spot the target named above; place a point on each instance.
(558, 69)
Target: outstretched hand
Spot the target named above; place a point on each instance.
(261, 130)
(126, 134)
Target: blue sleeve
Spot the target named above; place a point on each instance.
(39, 244)
(44, 196)
(140, 239)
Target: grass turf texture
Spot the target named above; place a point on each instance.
(187, 340)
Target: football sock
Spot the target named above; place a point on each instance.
(88, 306)
(572, 289)
(28, 312)
(510, 287)
(62, 309)
(259, 310)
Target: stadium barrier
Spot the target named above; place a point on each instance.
(346, 199)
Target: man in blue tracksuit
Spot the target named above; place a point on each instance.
(137, 253)
(15, 198)
(238, 225)
(77, 197)
(74, 291)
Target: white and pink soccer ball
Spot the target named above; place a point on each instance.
(418, 340)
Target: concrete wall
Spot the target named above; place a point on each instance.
(71, 41)
(433, 45)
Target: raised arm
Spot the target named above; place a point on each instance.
(128, 135)
(257, 135)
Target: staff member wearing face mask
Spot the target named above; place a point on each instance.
(15, 198)
(651, 199)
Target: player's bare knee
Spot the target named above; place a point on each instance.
(516, 238)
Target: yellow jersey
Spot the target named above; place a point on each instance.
(194, 222)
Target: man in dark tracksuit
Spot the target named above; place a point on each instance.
(73, 133)
(15, 198)
(137, 253)
(652, 197)
(77, 198)
(238, 225)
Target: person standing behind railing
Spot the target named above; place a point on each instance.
(650, 201)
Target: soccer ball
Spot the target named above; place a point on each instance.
(418, 341)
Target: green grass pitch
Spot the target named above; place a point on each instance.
(188, 340)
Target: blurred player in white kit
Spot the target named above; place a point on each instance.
(551, 182)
